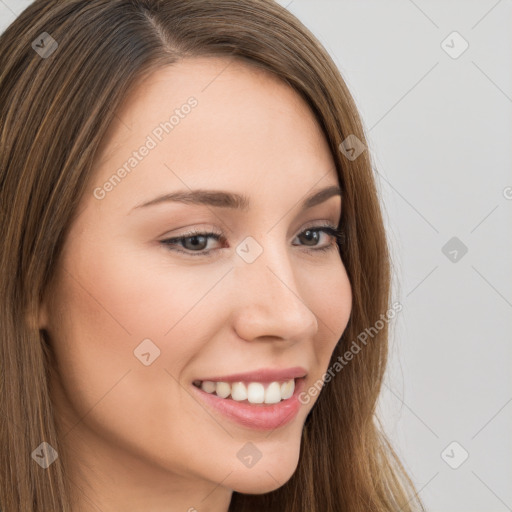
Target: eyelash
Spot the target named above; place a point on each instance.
(171, 243)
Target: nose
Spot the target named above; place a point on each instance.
(269, 300)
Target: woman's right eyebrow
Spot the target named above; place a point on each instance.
(225, 199)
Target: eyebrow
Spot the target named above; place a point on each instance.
(223, 199)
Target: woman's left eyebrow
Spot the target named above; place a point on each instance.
(224, 199)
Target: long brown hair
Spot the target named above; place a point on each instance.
(55, 109)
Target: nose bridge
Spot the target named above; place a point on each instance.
(269, 298)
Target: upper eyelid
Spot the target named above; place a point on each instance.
(333, 230)
(220, 237)
(210, 230)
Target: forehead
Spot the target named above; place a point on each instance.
(211, 122)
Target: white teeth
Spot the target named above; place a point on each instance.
(287, 389)
(273, 393)
(208, 386)
(253, 392)
(238, 391)
(223, 389)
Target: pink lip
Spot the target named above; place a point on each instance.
(263, 375)
(255, 416)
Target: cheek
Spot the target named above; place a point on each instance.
(329, 296)
(121, 295)
(115, 314)
(105, 308)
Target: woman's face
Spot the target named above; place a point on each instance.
(135, 322)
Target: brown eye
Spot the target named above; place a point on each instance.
(311, 236)
(196, 242)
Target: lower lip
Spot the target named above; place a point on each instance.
(256, 416)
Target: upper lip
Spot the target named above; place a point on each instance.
(262, 375)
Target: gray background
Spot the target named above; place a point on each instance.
(439, 130)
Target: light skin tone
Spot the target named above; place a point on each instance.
(138, 440)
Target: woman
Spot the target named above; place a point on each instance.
(192, 250)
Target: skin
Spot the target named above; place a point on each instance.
(137, 439)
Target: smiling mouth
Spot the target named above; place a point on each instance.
(249, 392)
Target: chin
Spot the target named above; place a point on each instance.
(266, 475)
